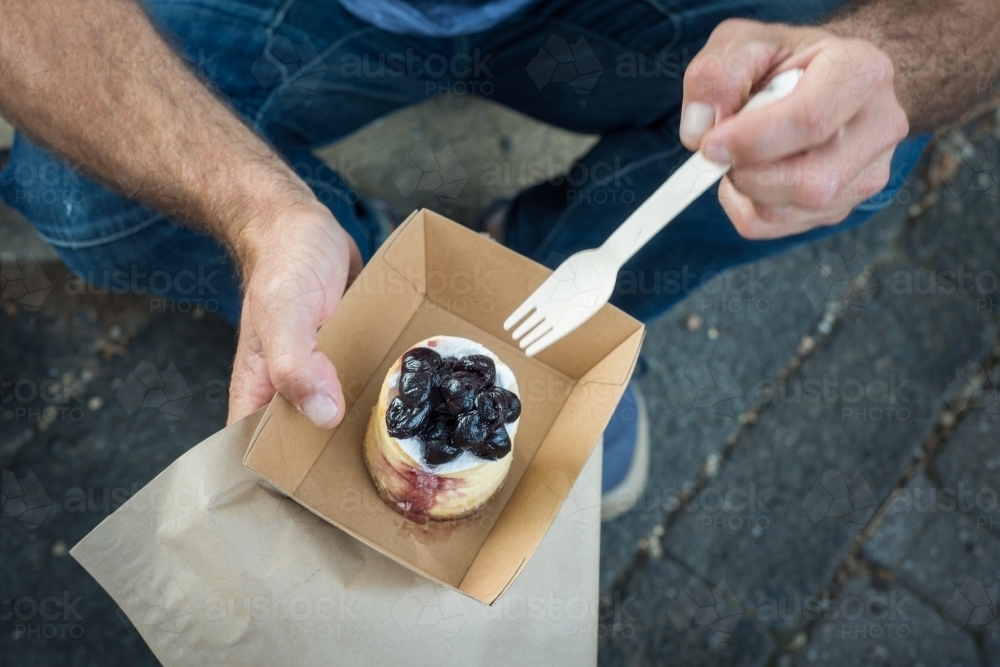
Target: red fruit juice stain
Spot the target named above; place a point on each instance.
(421, 491)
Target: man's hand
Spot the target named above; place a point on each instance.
(296, 268)
(810, 158)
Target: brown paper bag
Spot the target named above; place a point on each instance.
(213, 567)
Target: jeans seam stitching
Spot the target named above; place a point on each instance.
(103, 240)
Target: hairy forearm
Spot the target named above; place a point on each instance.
(945, 54)
(96, 84)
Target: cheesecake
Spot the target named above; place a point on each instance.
(440, 440)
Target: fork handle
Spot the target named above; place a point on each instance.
(686, 184)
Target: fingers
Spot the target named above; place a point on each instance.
(761, 221)
(820, 177)
(751, 225)
(719, 79)
(250, 388)
(841, 78)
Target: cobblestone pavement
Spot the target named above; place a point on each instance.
(825, 462)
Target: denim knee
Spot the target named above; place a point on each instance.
(114, 244)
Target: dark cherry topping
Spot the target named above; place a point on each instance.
(415, 387)
(421, 359)
(438, 452)
(491, 404)
(470, 430)
(405, 421)
(479, 364)
(447, 365)
(513, 405)
(452, 405)
(495, 447)
(459, 391)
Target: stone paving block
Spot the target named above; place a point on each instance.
(830, 446)
(948, 550)
(885, 626)
(667, 617)
(970, 464)
(902, 524)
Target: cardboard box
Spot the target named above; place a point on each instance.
(435, 277)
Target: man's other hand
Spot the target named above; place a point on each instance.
(810, 158)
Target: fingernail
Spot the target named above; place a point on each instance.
(319, 409)
(697, 119)
(718, 153)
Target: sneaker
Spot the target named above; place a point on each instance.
(626, 455)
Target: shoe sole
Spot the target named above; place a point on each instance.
(624, 497)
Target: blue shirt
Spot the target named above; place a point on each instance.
(434, 18)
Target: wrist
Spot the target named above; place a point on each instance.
(263, 213)
(853, 26)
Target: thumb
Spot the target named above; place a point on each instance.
(719, 79)
(298, 370)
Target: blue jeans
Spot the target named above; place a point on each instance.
(304, 73)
